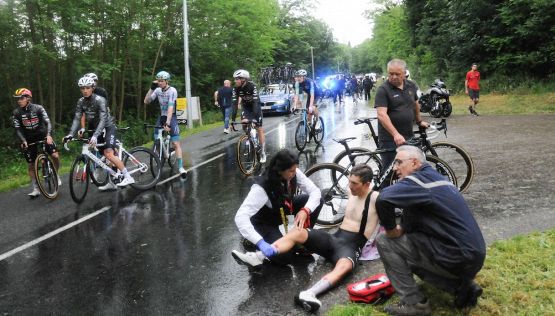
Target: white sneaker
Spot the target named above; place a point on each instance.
(34, 193)
(262, 157)
(250, 259)
(226, 130)
(308, 301)
(126, 181)
(110, 186)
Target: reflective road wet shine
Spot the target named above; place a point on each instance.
(158, 252)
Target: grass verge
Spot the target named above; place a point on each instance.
(518, 278)
(17, 174)
(506, 104)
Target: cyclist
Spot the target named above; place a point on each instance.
(98, 119)
(167, 96)
(305, 85)
(32, 124)
(246, 95)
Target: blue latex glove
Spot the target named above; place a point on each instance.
(267, 249)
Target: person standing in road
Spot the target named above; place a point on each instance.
(397, 106)
(367, 85)
(223, 99)
(438, 239)
(31, 125)
(472, 87)
(167, 96)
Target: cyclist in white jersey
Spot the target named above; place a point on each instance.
(167, 97)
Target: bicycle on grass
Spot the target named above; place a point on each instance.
(141, 163)
(248, 148)
(45, 172)
(306, 130)
(163, 146)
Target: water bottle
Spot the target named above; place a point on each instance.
(253, 134)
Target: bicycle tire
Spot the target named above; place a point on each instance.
(370, 158)
(246, 155)
(144, 166)
(319, 131)
(159, 152)
(439, 165)
(458, 159)
(78, 179)
(46, 176)
(334, 192)
(301, 133)
(98, 175)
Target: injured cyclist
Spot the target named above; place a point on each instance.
(343, 247)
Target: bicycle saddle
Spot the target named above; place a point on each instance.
(344, 140)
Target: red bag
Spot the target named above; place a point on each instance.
(373, 290)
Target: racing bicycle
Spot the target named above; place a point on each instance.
(306, 130)
(162, 146)
(248, 148)
(45, 172)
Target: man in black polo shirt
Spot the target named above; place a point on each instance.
(397, 107)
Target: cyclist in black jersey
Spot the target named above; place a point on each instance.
(246, 96)
(305, 85)
(32, 124)
(98, 91)
(343, 247)
(98, 119)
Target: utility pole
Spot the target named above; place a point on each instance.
(186, 61)
(312, 56)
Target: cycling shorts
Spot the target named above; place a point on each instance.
(30, 153)
(250, 113)
(174, 127)
(341, 244)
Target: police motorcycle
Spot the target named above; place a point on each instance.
(436, 100)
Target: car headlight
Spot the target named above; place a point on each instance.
(281, 102)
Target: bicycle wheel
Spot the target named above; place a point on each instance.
(144, 166)
(439, 165)
(156, 149)
(458, 159)
(246, 155)
(98, 175)
(334, 192)
(362, 155)
(47, 176)
(78, 179)
(319, 130)
(301, 135)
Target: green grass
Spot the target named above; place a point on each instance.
(518, 278)
(506, 104)
(15, 174)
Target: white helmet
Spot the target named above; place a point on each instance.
(86, 82)
(91, 75)
(300, 72)
(407, 73)
(241, 73)
(163, 75)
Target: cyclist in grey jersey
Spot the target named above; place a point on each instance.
(167, 97)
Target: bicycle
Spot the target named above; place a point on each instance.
(45, 172)
(248, 148)
(333, 180)
(306, 130)
(457, 158)
(162, 146)
(143, 165)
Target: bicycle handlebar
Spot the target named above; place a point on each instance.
(366, 120)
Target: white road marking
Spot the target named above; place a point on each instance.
(192, 168)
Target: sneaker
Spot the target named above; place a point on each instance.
(249, 259)
(470, 109)
(402, 309)
(262, 157)
(183, 172)
(467, 295)
(110, 186)
(308, 301)
(226, 130)
(126, 180)
(34, 193)
(475, 113)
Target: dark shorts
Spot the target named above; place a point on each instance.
(174, 127)
(252, 113)
(474, 94)
(31, 152)
(108, 138)
(341, 244)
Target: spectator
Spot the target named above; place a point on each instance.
(472, 87)
(223, 100)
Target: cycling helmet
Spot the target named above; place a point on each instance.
(86, 82)
(22, 92)
(241, 73)
(300, 72)
(91, 75)
(163, 75)
(407, 73)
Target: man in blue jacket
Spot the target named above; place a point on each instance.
(437, 238)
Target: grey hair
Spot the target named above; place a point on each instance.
(413, 152)
(398, 62)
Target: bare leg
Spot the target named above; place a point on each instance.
(293, 237)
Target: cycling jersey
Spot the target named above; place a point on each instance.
(31, 121)
(307, 86)
(166, 98)
(96, 114)
(248, 94)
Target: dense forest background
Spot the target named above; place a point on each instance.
(46, 45)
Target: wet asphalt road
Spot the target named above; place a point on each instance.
(167, 251)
